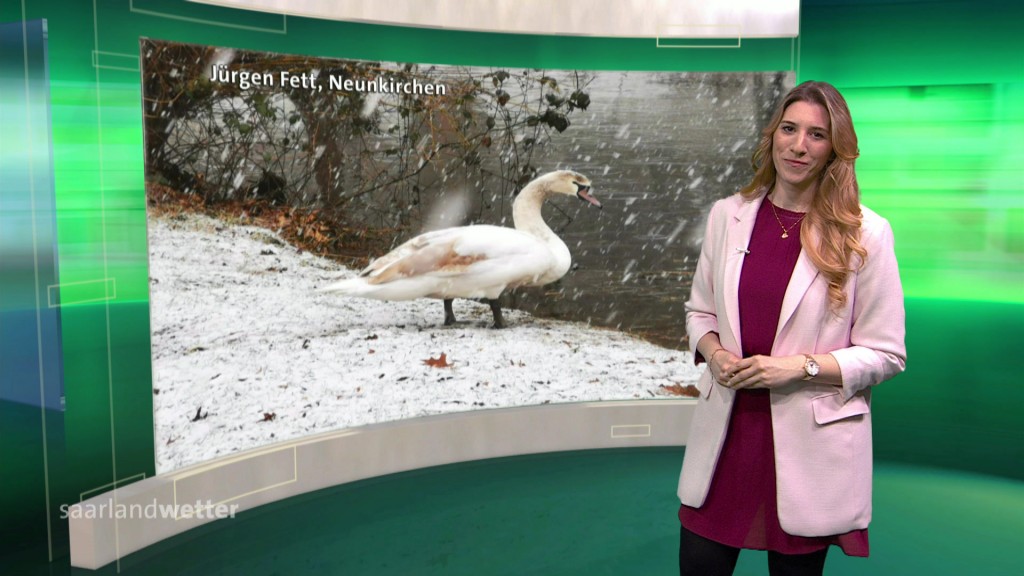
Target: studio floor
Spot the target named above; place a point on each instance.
(592, 512)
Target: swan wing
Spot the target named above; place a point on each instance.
(479, 256)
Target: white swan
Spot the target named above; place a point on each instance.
(478, 261)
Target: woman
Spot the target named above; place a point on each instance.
(797, 309)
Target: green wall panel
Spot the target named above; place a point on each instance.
(911, 43)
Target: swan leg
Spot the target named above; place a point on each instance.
(496, 310)
(449, 314)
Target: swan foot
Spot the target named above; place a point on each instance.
(499, 322)
(449, 314)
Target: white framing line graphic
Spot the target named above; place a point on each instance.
(101, 170)
(106, 297)
(35, 262)
(330, 436)
(639, 426)
(294, 478)
(96, 60)
(282, 30)
(738, 29)
(81, 495)
(203, 468)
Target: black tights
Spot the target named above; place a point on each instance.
(699, 556)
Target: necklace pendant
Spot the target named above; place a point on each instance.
(785, 234)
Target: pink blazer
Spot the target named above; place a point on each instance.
(822, 433)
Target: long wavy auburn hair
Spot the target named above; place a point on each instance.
(830, 232)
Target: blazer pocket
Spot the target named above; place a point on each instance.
(831, 408)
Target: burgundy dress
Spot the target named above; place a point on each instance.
(741, 508)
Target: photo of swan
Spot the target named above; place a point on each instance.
(247, 351)
(480, 261)
(300, 238)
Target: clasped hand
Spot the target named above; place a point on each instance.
(756, 371)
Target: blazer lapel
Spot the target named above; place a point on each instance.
(804, 274)
(737, 240)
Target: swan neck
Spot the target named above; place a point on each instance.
(526, 212)
(527, 217)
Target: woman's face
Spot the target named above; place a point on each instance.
(801, 146)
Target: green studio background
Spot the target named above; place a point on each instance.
(936, 90)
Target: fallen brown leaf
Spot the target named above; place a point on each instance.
(441, 362)
(679, 390)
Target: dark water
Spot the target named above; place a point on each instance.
(660, 148)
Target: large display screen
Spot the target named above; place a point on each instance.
(271, 176)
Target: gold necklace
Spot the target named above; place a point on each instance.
(785, 231)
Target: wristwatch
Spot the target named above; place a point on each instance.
(811, 368)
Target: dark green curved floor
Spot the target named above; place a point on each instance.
(594, 512)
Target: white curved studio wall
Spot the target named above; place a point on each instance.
(112, 525)
(271, 473)
(604, 18)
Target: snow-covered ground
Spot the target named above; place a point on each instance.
(247, 352)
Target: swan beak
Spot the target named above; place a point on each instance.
(584, 194)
